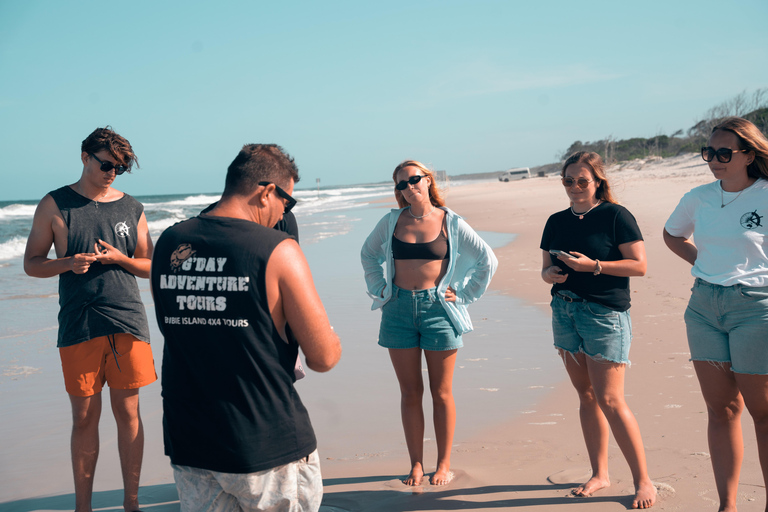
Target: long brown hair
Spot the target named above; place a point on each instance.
(596, 165)
(435, 196)
(750, 139)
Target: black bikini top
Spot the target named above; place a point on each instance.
(437, 249)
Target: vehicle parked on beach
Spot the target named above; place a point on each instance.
(518, 173)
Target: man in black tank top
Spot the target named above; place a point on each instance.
(102, 243)
(226, 286)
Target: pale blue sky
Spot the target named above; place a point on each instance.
(352, 88)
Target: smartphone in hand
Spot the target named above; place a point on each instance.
(556, 252)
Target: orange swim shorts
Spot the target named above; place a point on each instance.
(120, 360)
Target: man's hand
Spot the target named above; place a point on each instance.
(80, 263)
(107, 254)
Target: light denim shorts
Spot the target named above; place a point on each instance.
(294, 487)
(601, 333)
(729, 324)
(416, 319)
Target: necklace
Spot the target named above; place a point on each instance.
(723, 204)
(581, 215)
(421, 216)
(96, 200)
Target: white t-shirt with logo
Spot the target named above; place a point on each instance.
(732, 241)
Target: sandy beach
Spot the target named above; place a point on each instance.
(518, 442)
(532, 462)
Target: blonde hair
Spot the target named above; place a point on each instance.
(597, 167)
(435, 196)
(750, 139)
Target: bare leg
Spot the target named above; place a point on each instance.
(608, 381)
(130, 442)
(594, 426)
(440, 365)
(86, 412)
(726, 444)
(407, 364)
(754, 389)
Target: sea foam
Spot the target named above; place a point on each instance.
(13, 248)
(15, 211)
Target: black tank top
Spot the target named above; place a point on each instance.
(228, 397)
(106, 299)
(437, 249)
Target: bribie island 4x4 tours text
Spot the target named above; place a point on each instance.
(196, 320)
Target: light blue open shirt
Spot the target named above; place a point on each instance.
(471, 266)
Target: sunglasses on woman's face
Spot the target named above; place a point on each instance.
(410, 181)
(723, 155)
(582, 183)
(108, 166)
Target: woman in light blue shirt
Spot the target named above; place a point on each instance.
(435, 265)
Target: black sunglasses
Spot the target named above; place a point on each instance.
(290, 201)
(723, 155)
(410, 181)
(582, 183)
(108, 166)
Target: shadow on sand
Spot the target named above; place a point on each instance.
(163, 498)
(418, 499)
(153, 498)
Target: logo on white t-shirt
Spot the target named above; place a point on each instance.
(751, 220)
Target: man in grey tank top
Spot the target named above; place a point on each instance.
(102, 243)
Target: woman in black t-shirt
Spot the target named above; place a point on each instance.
(589, 252)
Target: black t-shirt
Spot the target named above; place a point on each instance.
(597, 236)
(229, 402)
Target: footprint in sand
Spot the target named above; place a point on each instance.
(571, 476)
(663, 491)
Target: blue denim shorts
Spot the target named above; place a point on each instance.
(729, 324)
(416, 319)
(601, 333)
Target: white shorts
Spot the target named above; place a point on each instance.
(294, 487)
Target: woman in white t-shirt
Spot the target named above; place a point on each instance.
(727, 316)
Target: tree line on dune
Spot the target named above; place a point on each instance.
(753, 107)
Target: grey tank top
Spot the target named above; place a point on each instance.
(106, 299)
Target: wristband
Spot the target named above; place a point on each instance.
(598, 268)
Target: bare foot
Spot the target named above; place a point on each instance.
(645, 496)
(593, 485)
(417, 474)
(442, 476)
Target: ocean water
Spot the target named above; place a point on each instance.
(507, 363)
(165, 210)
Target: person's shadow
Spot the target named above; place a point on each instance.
(447, 499)
(154, 498)
(164, 498)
